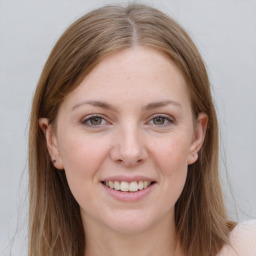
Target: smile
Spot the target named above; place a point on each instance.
(124, 186)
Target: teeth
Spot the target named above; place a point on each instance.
(126, 186)
(111, 184)
(133, 186)
(145, 184)
(141, 185)
(116, 185)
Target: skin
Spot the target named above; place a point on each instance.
(129, 140)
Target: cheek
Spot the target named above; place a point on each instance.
(82, 157)
(172, 154)
(80, 152)
(171, 159)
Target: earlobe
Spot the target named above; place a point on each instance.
(51, 142)
(198, 138)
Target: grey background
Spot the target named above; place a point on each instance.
(224, 31)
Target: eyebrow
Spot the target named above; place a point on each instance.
(108, 106)
(159, 104)
(95, 103)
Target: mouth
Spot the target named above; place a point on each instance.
(124, 186)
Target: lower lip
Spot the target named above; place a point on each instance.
(129, 196)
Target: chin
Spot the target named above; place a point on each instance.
(131, 222)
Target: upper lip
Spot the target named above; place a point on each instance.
(128, 178)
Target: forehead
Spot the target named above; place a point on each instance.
(134, 75)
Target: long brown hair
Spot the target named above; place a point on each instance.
(55, 226)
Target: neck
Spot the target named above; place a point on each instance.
(156, 240)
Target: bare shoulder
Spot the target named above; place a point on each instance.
(242, 239)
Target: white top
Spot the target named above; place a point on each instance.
(242, 239)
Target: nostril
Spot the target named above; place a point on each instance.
(128, 162)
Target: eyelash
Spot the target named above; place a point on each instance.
(88, 119)
(167, 120)
(91, 117)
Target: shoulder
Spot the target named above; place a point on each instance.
(242, 240)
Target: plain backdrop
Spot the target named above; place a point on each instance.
(225, 33)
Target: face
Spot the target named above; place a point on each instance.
(125, 137)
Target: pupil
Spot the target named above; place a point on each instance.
(96, 120)
(159, 120)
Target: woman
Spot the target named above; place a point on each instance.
(123, 150)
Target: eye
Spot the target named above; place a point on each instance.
(94, 121)
(161, 120)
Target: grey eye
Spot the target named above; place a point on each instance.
(95, 120)
(159, 120)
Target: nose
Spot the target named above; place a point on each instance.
(129, 147)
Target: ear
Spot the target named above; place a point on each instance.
(51, 142)
(198, 138)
